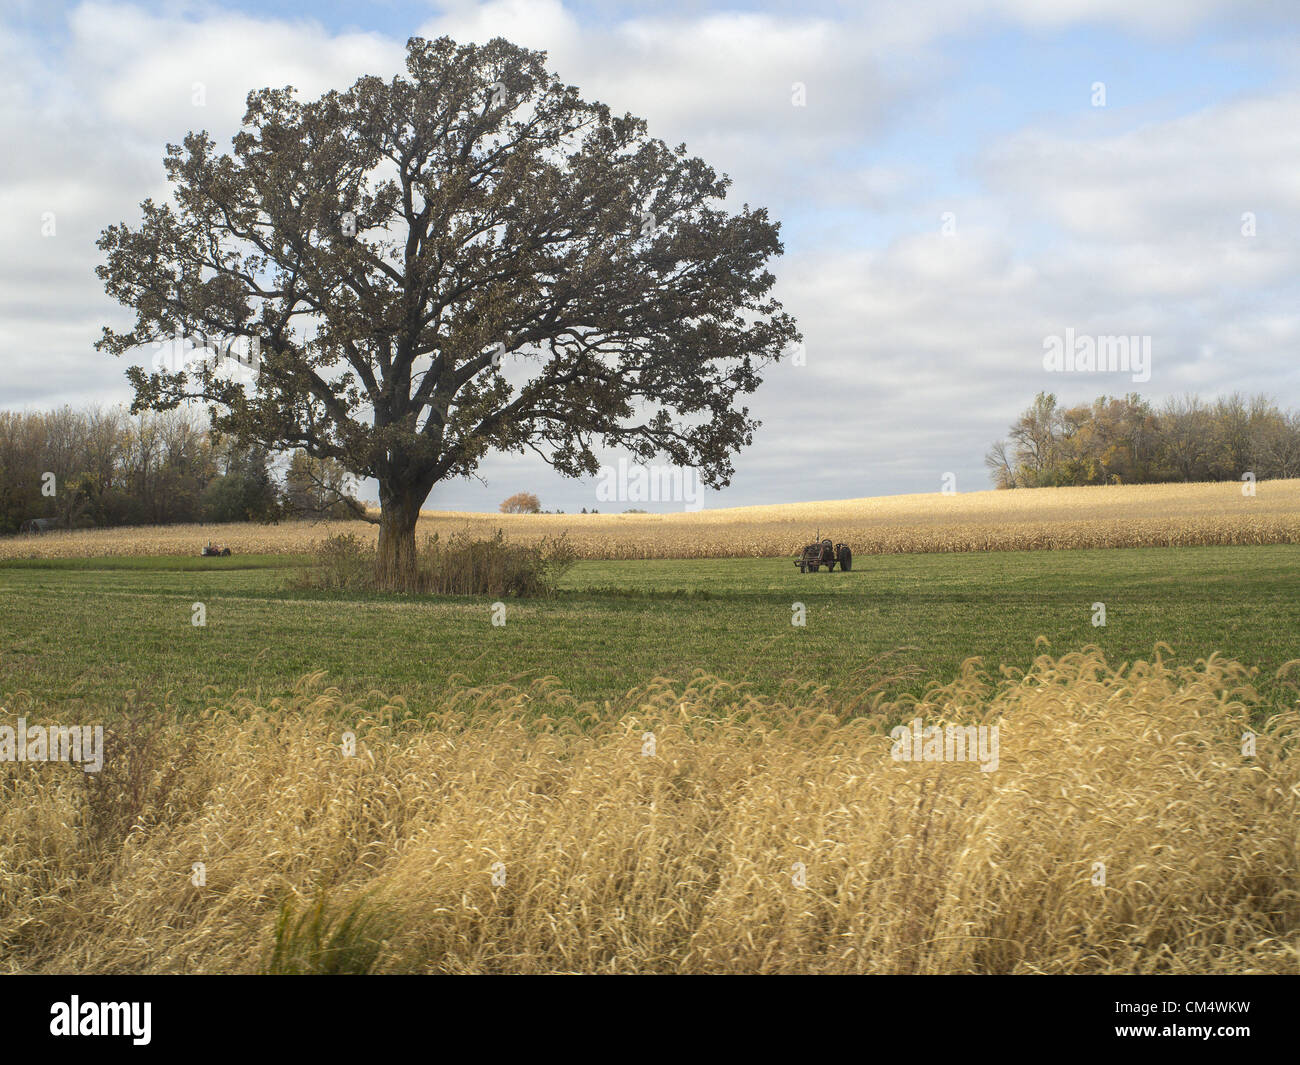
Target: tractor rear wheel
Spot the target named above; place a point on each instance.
(846, 558)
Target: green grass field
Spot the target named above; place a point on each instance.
(96, 629)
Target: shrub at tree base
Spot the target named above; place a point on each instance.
(341, 563)
(458, 565)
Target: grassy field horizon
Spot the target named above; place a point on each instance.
(1164, 515)
(97, 629)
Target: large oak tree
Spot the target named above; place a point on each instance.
(394, 249)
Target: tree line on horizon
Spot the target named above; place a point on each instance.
(102, 467)
(1127, 440)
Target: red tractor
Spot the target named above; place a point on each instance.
(821, 553)
(215, 551)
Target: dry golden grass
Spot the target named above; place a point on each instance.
(615, 861)
(1044, 518)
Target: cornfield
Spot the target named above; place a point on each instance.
(1164, 515)
(1125, 829)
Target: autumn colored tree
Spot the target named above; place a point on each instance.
(464, 259)
(522, 503)
(1123, 440)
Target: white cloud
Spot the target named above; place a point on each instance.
(921, 347)
(1201, 171)
(157, 75)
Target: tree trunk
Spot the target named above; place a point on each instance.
(395, 563)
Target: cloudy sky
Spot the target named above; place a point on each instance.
(957, 182)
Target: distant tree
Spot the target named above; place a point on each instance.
(246, 491)
(1185, 439)
(522, 503)
(1028, 460)
(1109, 441)
(20, 471)
(319, 488)
(73, 504)
(1000, 465)
(1278, 445)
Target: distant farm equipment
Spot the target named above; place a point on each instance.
(821, 553)
(216, 551)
